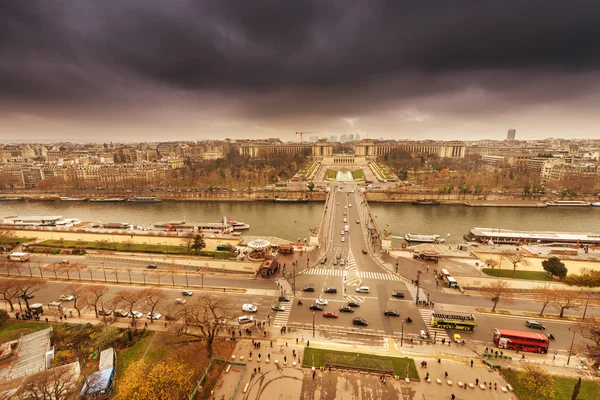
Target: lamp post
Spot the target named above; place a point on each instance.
(396, 265)
(587, 300)
(103, 269)
(313, 324)
(418, 282)
(294, 281)
(571, 349)
(402, 335)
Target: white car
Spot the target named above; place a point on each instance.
(154, 315)
(249, 308)
(322, 302)
(345, 220)
(363, 289)
(343, 239)
(342, 232)
(180, 301)
(245, 319)
(187, 293)
(136, 314)
(423, 334)
(350, 205)
(67, 297)
(345, 207)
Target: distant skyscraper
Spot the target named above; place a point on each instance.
(511, 134)
(357, 136)
(344, 138)
(333, 138)
(351, 137)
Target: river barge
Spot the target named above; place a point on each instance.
(423, 238)
(426, 202)
(144, 200)
(568, 203)
(506, 236)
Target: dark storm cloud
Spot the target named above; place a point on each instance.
(294, 56)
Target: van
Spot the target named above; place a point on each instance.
(346, 228)
(363, 289)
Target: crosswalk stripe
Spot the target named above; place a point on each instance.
(440, 333)
(282, 317)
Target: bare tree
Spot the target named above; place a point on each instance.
(153, 296)
(129, 299)
(77, 267)
(496, 290)
(202, 319)
(567, 299)
(490, 262)
(93, 295)
(187, 240)
(543, 295)
(590, 329)
(9, 289)
(515, 258)
(30, 286)
(58, 383)
(77, 291)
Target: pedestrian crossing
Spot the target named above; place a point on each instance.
(282, 317)
(351, 264)
(437, 333)
(360, 274)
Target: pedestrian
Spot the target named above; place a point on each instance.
(501, 353)
(46, 320)
(60, 318)
(285, 359)
(250, 353)
(314, 374)
(308, 343)
(476, 381)
(486, 349)
(471, 363)
(495, 386)
(145, 324)
(452, 397)
(271, 343)
(265, 333)
(286, 344)
(259, 370)
(254, 371)
(296, 340)
(523, 357)
(446, 374)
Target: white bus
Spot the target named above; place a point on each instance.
(18, 256)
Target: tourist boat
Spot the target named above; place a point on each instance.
(505, 236)
(239, 226)
(107, 200)
(43, 198)
(595, 204)
(280, 200)
(568, 203)
(425, 202)
(12, 198)
(144, 200)
(423, 238)
(72, 199)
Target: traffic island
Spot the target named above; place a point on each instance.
(400, 367)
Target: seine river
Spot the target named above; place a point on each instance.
(292, 221)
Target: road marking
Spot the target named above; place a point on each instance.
(356, 299)
(378, 275)
(282, 317)
(351, 264)
(438, 333)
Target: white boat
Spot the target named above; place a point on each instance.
(595, 204)
(108, 200)
(423, 238)
(239, 226)
(144, 200)
(568, 203)
(72, 199)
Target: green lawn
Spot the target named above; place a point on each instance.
(330, 174)
(14, 329)
(324, 357)
(563, 387)
(358, 175)
(133, 353)
(528, 275)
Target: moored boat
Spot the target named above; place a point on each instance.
(423, 238)
(107, 200)
(595, 204)
(425, 202)
(73, 199)
(568, 203)
(280, 200)
(507, 236)
(144, 200)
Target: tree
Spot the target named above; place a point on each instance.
(203, 318)
(576, 389)
(187, 240)
(58, 383)
(77, 291)
(537, 383)
(3, 317)
(93, 295)
(128, 299)
(497, 290)
(198, 244)
(311, 186)
(515, 258)
(543, 295)
(567, 299)
(587, 277)
(128, 244)
(145, 380)
(153, 296)
(9, 289)
(108, 337)
(555, 267)
(590, 329)
(28, 287)
(491, 262)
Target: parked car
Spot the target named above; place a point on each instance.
(152, 266)
(363, 289)
(284, 298)
(346, 309)
(180, 301)
(121, 313)
(334, 262)
(245, 319)
(330, 290)
(249, 308)
(63, 261)
(398, 294)
(104, 313)
(136, 314)
(423, 334)
(187, 293)
(391, 313)
(330, 314)
(533, 324)
(359, 321)
(322, 302)
(343, 239)
(316, 307)
(27, 296)
(364, 251)
(154, 315)
(353, 304)
(67, 297)
(278, 307)
(308, 289)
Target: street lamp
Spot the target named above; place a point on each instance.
(313, 324)
(396, 265)
(571, 349)
(418, 282)
(294, 281)
(402, 335)
(587, 300)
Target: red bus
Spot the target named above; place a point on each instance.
(523, 341)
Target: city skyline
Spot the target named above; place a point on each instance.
(83, 71)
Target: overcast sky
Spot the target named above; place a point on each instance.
(136, 70)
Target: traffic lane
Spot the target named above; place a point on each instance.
(55, 289)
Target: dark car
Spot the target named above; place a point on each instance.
(284, 298)
(359, 321)
(364, 251)
(170, 317)
(534, 324)
(338, 256)
(151, 266)
(324, 260)
(316, 307)
(398, 294)
(28, 296)
(346, 309)
(308, 289)
(104, 313)
(330, 290)
(391, 313)
(353, 304)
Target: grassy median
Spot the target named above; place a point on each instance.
(366, 362)
(527, 275)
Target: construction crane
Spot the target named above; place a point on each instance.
(302, 133)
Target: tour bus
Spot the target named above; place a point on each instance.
(18, 256)
(523, 341)
(453, 321)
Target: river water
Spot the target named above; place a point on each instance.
(291, 221)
